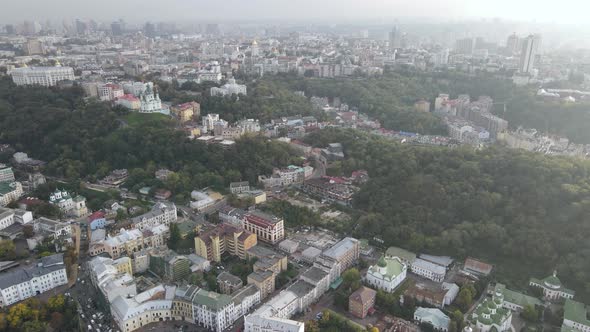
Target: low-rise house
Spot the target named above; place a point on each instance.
(288, 246)
(476, 267)
(239, 187)
(97, 220)
(434, 317)
(428, 270)
(435, 295)
(361, 301)
(198, 263)
(228, 283)
(387, 274)
(27, 281)
(575, 317)
(53, 228)
(10, 192)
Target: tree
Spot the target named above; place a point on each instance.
(28, 231)
(7, 249)
(56, 303)
(57, 320)
(464, 299)
(351, 279)
(530, 314)
(175, 237)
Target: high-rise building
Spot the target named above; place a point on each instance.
(117, 28)
(10, 30)
(512, 44)
(394, 38)
(527, 55)
(464, 46)
(149, 29)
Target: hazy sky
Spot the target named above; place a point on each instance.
(563, 11)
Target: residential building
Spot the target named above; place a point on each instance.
(239, 187)
(97, 220)
(476, 267)
(168, 264)
(264, 280)
(527, 54)
(212, 244)
(53, 228)
(428, 270)
(6, 218)
(439, 295)
(132, 312)
(284, 177)
(129, 101)
(161, 213)
(333, 190)
(434, 317)
(6, 174)
(203, 200)
(245, 299)
(212, 310)
(575, 317)
(552, 288)
(112, 277)
(361, 301)
(187, 112)
(109, 92)
(10, 192)
(23, 282)
(491, 315)
(228, 283)
(268, 228)
(387, 274)
(209, 121)
(126, 242)
(228, 89)
(45, 76)
(198, 263)
(267, 259)
(288, 246)
(346, 253)
(465, 46)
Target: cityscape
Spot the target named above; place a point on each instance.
(305, 167)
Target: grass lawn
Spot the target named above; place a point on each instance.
(135, 119)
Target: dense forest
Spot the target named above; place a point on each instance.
(86, 139)
(524, 212)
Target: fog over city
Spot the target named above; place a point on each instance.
(566, 11)
(294, 166)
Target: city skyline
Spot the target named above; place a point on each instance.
(381, 11)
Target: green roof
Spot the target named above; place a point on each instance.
(517, 298)
(484, 309)
(79, 198)
(211, 300)
(552, 280)
(5, 188)
(401, 253)
(576, 312)
(389, 267)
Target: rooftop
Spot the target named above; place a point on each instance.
(436, 317)
(211, 300)
(363, 295)
(576, 312)
(426, 265)
(25, 273)
(341, 248)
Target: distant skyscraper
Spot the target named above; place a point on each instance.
(394, 38)
(149, 29)
(10, 30)
(212, 29)
(464, 46)
(527, 54)
(117, 27)
(81, 27)
(512, 44)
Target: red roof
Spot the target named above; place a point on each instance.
(259, 221)
(129, 97)
(96, 215)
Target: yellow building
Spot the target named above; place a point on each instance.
(123, 265)
(224, 238)
(187, 111)
(264, 280)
